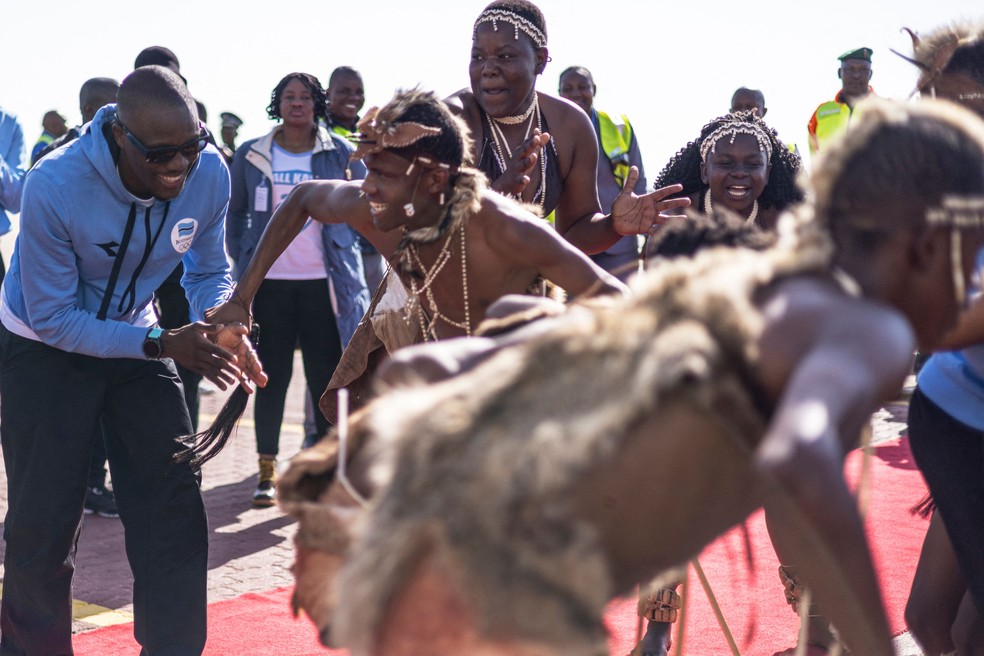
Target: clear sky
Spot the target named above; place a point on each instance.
(669, 66)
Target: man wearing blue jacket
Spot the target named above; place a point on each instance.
(103, 222)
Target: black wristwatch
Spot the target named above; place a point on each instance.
(153, 347)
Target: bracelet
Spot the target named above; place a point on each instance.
(241, 302)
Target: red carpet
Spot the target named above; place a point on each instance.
(752, 601)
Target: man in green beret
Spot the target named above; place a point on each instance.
(833, 117)
(230, 130)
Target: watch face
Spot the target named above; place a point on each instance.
(152, 348)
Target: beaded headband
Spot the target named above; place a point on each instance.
(733, 130)
(958, 212)
(518, 22)
(373, 136)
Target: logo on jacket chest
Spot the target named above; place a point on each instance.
(183, 234)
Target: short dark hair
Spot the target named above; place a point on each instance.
(755, 92)
(343, 70)
(579, 70)
(311, 83)
(153, 86)
(101, 87)
(157, 56)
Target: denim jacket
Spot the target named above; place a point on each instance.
(252, 167)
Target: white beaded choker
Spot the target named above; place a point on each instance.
(518, 118)
(709, 208)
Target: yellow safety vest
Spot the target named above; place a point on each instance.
(342, 131)
(616, 139)
(830, 119)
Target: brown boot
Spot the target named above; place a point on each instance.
(266, 490)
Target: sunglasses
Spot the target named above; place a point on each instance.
(164, 154)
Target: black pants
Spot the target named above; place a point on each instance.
(51, 403)
(292, 312)
(950, 455)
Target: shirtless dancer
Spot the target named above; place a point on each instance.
(455, 246)
(509, 503)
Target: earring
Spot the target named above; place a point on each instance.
(441, 199)
(956, 268)
(409, 209)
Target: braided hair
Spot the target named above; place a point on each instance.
(781, 190)
(311, 83)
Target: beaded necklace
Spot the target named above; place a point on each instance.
(709, 208)
(519, 118)
(429, 328)
(503, 151)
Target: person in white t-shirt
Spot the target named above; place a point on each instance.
(315, 293)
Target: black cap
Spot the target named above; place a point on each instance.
(230, 120)
(863, 54)
(157, 56)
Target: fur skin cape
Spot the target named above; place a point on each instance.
(481, 466)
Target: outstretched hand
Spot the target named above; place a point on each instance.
(520, 164)
(222, 353)
(635, 215)
(234, 337)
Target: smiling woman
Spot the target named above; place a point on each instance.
(294, 304)
(737, 162)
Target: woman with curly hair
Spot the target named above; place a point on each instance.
(737, 162)
(294, 304)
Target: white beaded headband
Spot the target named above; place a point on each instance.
(733, 130)
(518, 22)
(958, 212)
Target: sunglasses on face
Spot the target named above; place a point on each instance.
(164, 154)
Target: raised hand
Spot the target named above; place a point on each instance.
(520, 164)
(634, 215)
